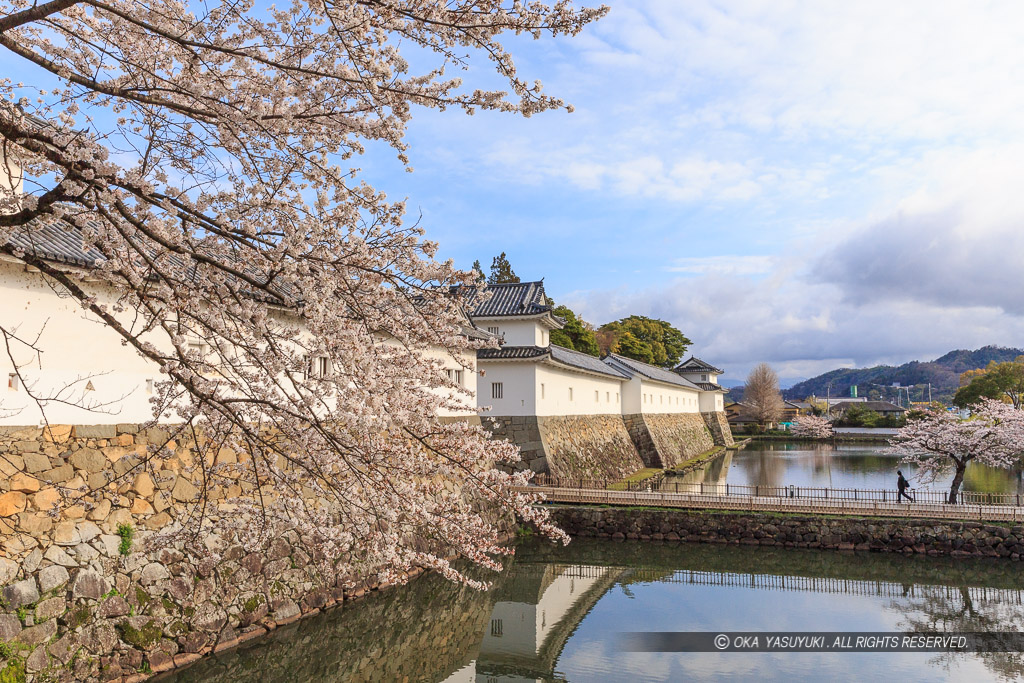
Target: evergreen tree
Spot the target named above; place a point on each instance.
(501, 271)
(577, 333)
(479, 271)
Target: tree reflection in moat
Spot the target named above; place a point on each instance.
(555, 614)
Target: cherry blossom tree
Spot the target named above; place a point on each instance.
(812, 426)
(940, 442)
(202, 152)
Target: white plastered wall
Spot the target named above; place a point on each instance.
(75, 345)
(646, 396)
(78, 350)
(516, 331)
(711, 401)
(517, 380)
(591, 394)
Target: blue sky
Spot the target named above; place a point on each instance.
(809, 184)
(812, 184)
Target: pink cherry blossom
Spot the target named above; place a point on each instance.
(206, 151)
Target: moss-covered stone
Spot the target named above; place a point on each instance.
(143, 638)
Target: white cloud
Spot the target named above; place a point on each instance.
(735, 265)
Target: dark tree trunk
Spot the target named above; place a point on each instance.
(958, 479)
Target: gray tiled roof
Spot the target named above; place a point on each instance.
(585, 362)
(516, 298)
(710, 386)
(554, 353)
(55, 242)
(694, 364)
(635, 367)
(512, 353)
(58, 240)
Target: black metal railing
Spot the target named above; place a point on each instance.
(666, 485)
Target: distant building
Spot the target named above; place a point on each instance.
(883, 408)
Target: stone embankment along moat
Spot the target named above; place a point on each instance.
(920, 536)
(83, 597)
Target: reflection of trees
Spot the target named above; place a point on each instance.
(946, 609)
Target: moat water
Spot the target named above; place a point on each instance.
(558, 614)
(839, 466)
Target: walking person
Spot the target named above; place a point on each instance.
(902, 484)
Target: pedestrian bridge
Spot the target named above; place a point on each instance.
(862, 503)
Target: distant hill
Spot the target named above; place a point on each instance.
(875, 383)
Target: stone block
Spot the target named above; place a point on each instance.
(143, 485)
(58, 555)
(50, 608)
(88, 459)
(53, 577)
(10, 626)
(8, 570)
(114, 606)
(36, 462)
(12, 502)
(25, 483)
(57, 433)
(45, 499)
(66, 534)
(23, 592)
(98, 481)
(89, 584)
(100, 511)
(36, 635)
(184, 491)
(157, 521)
(27, 446)
(11, 464)
(58, 475)
(95, 431)
(34, 523)
(87, 531)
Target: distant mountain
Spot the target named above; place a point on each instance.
(875, 383)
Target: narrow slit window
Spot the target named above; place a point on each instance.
(497, 390)
(12, 381)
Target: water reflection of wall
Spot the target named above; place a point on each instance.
(427, 630)
(537, 608)
(715, 472)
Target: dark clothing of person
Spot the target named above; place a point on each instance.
(902, 484)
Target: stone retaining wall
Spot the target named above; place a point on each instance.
(577, 446)
(83, 601)
(920, 536)
(641, 437)
(718, 425)
(525, 433)
(588, 446)
(667, 439)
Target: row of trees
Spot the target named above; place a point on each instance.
(644, 339)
